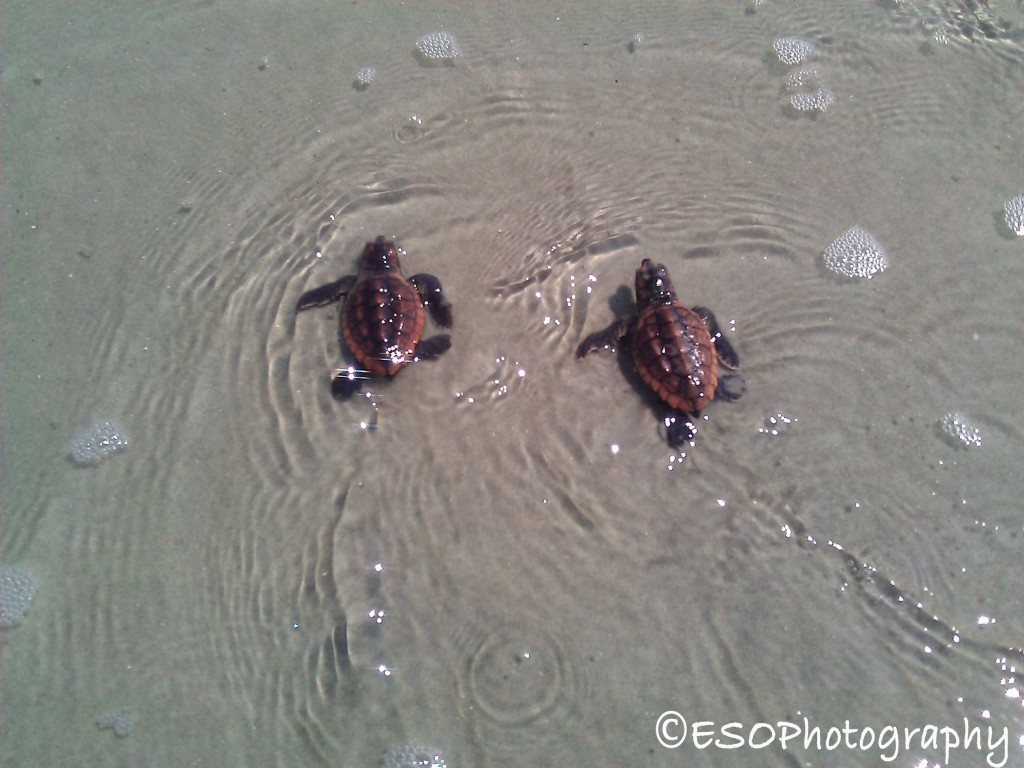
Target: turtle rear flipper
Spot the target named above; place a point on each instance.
(433, 347)
(731, 387)
(432, 297)
(347, 383)
(726, 354)
(679, 428)
(325, 294)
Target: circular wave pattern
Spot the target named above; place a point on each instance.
(516, 678)
(518, 689)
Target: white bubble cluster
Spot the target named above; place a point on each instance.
(364, 77)
(413, 756)
(803, 80)
(792, 50)
(813, 101)
(957, 427)
(807, 91)
(99, 441)
(1013, 211)
(17, 588)
(855, 253)
(119, 719)
(438, 46)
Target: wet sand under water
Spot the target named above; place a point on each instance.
(511, 565)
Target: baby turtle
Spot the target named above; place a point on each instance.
(382, 320)
(675, 350)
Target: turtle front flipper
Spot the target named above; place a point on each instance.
(432, 297)
(606, 339)
(726, 354)
(325, 294)
(433, 347)
(679, 428)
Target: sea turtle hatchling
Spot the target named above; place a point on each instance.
(382, 318)
(676, 351)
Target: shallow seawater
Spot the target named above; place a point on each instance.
(496, 554)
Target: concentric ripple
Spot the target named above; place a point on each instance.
(517, 677)
(518, 688)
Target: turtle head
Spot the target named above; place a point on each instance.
(653, 286)
(380, 256)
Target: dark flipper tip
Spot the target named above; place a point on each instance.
(440, 313)
(731, 387)
(431, 294)
(433, 347)
(679, 429)
(607, 339)
(325, 294)
(723, 347)
(346, 384)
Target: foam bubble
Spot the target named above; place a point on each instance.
(807, 92)
(438, 46)
(957, 427)
(99, 441)
(792, 50)
(413, 756)
(813, 101)
(1013, 211)
(855, 253)
(364, 77)
(119, 719)
(803, 80)
(17, 588)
